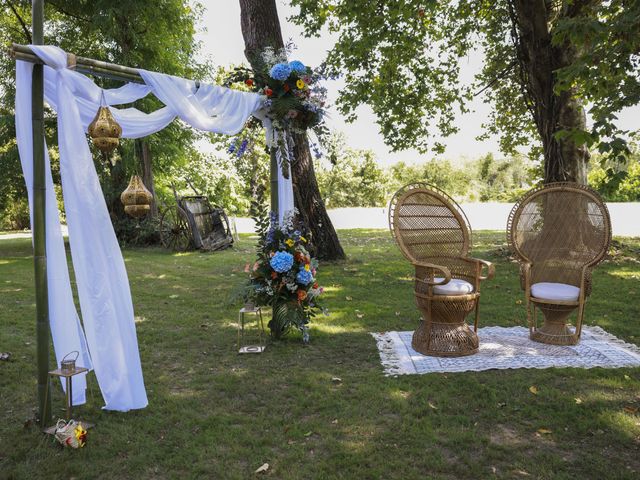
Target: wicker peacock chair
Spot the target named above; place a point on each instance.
(434, 235)
(559, 232)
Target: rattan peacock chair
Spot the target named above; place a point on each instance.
(434, 235)
(559, 232)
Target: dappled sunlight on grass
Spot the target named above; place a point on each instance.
(337, 329)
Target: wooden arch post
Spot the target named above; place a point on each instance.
(39, 221)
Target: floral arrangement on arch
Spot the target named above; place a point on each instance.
(284, 276)
(295, 100)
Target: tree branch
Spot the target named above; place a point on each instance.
(498, 77)
(25, 29)
(59, 9)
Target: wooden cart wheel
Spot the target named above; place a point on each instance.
(174, 229)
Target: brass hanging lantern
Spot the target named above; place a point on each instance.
(136, 198)
(104, 130)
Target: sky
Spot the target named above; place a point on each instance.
(222, 42)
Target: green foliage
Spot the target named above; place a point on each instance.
(440, 173)
(625, 188)
(606, 71)
(15, 215)
(352, 178)
(403, 58)
(502, 180)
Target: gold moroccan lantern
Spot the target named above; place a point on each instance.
(104, 130)
(136, 198)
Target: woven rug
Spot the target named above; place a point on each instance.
(503, 348)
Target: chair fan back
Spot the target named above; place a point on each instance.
(428, 224)
(560, 228)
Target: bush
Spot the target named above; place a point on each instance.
(140, 233)
(16, 215)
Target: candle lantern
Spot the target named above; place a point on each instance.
(251, 340)
(136, 198)
(104, 130)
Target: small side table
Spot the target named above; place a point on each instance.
(67, 374)
(243, 347)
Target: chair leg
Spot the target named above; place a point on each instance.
(579, 319)
(477, 316)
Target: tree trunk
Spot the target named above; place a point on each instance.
(306, 192)
(260, 29)
(564, 160)
(144, 156)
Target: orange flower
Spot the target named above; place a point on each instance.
(274, 275)
(301, 295)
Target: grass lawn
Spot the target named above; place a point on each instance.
(215, 414)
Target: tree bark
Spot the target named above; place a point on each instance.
(146, 165)
(539, 58)
(260, 29)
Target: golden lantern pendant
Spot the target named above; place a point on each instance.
(104, 130)
(136, 198)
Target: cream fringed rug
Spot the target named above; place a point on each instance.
(503, 348)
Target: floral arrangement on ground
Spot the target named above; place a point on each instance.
(284, 276)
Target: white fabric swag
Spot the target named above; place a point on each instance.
(108, 342)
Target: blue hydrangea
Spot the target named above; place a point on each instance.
(280, 71)
(304, 277)
(281, 262)
(297, 66)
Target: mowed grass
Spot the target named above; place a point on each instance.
(215, 414)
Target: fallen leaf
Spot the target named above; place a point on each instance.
(348, 298)
(544, 431)
(533, 389)
(631, 410)
(397, 314)
(308, 434)
(173, 296)
(432, 406)
(578, 400)
(262, 468)
(336, 379)
(502, 404)
(335, 421)
(627, 377)
(518, 302)
(359, 315)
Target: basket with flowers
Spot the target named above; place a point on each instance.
(284, 277)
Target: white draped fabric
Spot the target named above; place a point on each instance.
(110, 347)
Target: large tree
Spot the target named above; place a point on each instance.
(261, 29)
(544, 61)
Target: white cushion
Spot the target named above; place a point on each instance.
(555, 291)
(454, 287)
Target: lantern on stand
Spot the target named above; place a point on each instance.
(104, 130)
(136, 198)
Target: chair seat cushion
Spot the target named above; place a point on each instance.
(555, 291)
(454, 287)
